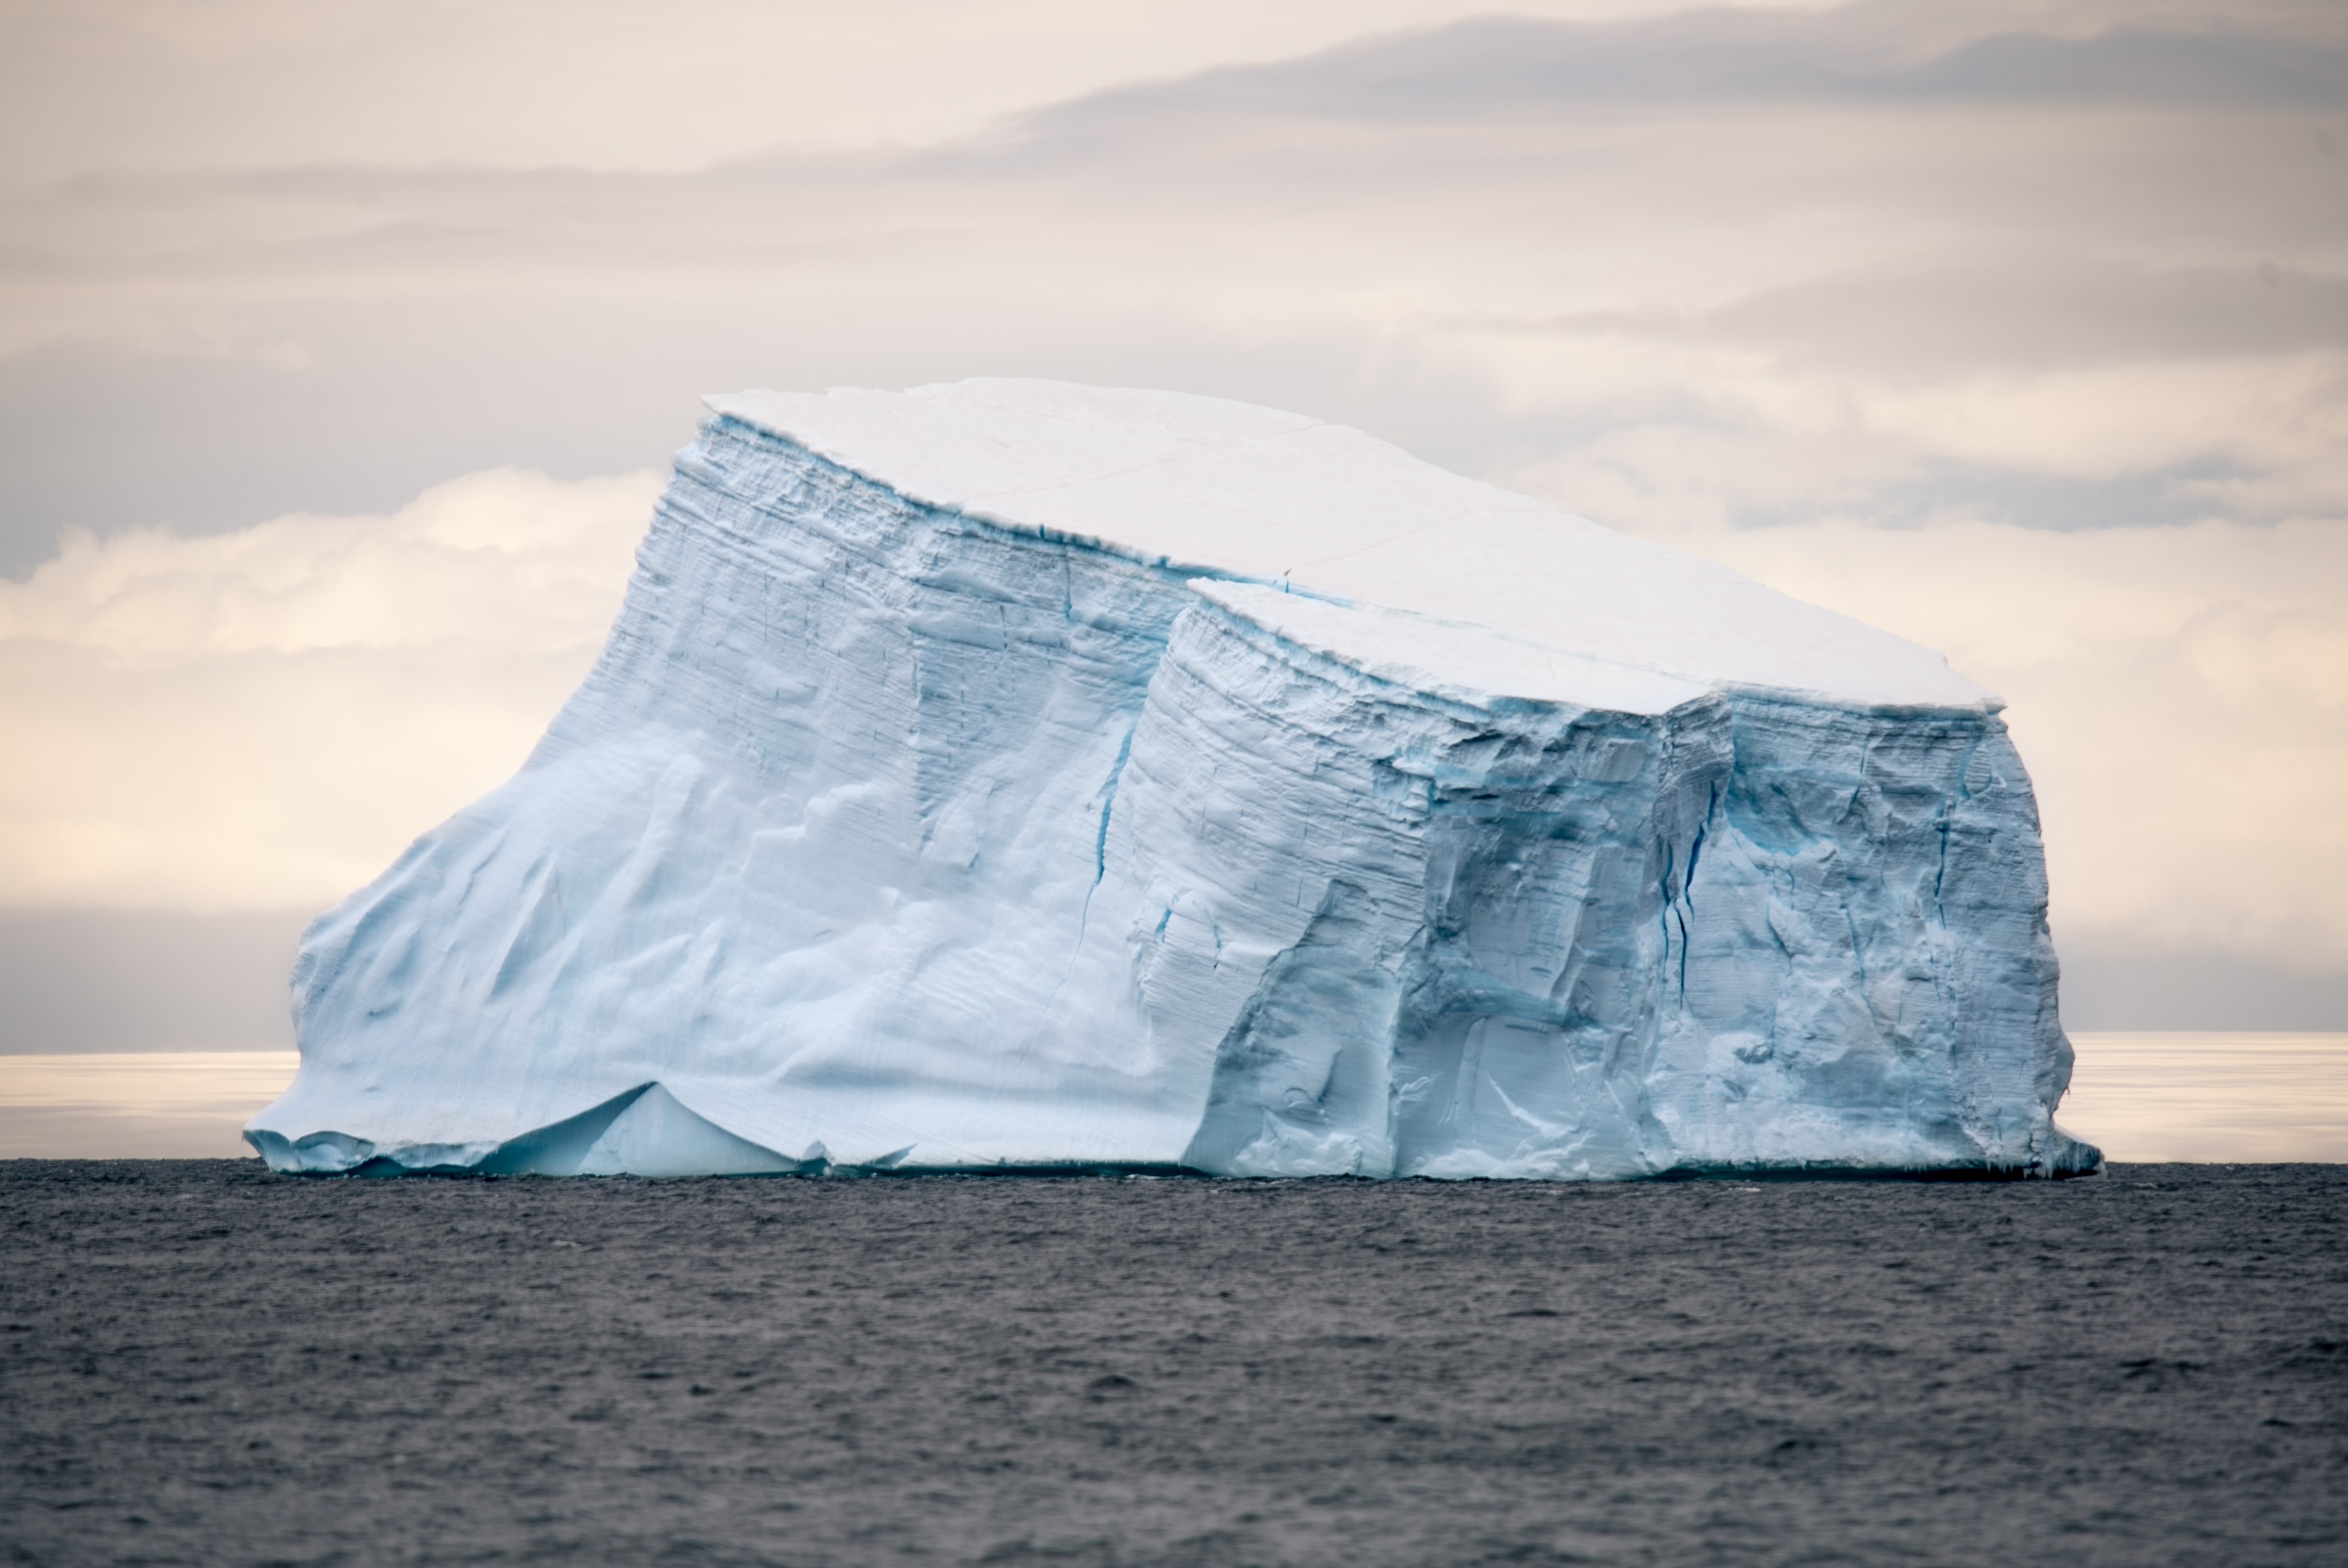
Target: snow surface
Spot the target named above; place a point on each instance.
(1236, 490)
(1018, 775)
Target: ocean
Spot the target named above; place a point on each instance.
(201, 1363)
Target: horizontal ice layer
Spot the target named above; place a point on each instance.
(954, 794)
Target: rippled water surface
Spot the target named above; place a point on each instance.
(206, 1364)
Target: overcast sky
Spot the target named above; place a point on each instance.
(353, 339)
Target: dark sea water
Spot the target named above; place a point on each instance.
(202, 1363)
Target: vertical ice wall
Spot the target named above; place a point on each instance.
(1868, 965)
(888, 833)
(1419, 930)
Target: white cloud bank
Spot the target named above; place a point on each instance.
(262, 719)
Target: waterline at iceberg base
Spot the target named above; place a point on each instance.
(1012, 775)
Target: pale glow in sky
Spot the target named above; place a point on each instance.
(263, 719)
(2015, 329)
(2179, 694)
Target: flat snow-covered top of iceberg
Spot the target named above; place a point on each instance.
(1234, 490)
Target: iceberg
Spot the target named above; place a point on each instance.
(1012, 775)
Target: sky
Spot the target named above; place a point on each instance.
(342, 347)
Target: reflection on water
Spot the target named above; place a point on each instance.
(2140, 1096)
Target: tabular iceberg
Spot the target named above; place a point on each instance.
(1019, 776)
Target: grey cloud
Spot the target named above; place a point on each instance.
(2128, 66)
(103, 437)
(1997, 309)
(74, 981)
(1895, 54)
(2112, 984)
(2058, 310)
(1898, 194)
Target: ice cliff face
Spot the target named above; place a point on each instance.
(1013, 774)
